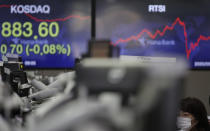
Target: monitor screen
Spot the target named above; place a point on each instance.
(45, 33)
(158, 30)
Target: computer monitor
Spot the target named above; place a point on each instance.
(46, 33)
(150, 92)
(157, 29)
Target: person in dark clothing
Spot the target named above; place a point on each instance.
(193, 115)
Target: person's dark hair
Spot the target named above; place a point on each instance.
(195, 107)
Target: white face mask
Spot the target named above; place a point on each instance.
(183, 123)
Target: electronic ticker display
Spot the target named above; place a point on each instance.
(158, 29)
(46, 33)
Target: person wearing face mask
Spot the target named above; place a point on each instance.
(193, 116)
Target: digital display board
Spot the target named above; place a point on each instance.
(46, 33)
(158, 29)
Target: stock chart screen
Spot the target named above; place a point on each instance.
(158, 29)
(45, 33)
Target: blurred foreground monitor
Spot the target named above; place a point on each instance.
(150, 90)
